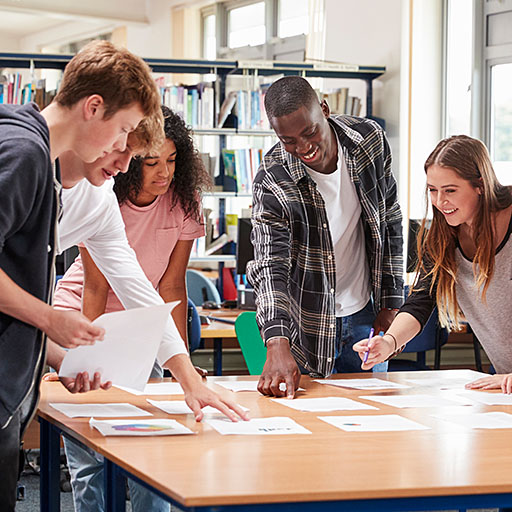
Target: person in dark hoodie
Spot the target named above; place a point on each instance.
(105, 92)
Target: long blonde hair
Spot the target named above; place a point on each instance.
(470, 160)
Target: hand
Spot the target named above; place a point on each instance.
(384, 319)
(500, 381)
(80, 383)
(379, 347)
(70, 329)
(201, 371)
(279, 367)
(200, 396)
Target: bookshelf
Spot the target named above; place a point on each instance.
(222, 69)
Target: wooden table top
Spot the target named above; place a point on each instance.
(219, 329)
(330, 464)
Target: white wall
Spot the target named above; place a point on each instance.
(369, 32)
(426, 95)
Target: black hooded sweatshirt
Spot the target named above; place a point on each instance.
(27, 216)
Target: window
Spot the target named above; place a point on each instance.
(501, 121)
(458, 67)
(293, 17)
(246, 25)
(209, 39)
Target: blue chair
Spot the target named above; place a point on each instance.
(200, 289)
(432, 337)
(193, 327)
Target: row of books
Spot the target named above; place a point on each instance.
(14, 92)
(341, 102)
(195, 104)
(241, 165)
(246, 109)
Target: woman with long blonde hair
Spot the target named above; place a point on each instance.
(464, 260)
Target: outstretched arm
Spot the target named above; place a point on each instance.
(67, 328)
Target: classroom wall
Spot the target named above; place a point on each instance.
(370, 32)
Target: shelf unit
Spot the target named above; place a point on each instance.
(221, 68)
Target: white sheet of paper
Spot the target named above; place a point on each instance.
(156, 427)
(156, 388)
(181, 407)
(128, 351)
(101, 410)
(479, 419)
(259, 426)
(370, 383)
(484, 397)
(246, 385)
(403, 401)
(330, 403)
(376, 423)
(450, 379)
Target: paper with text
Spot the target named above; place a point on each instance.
(377, 423)
(101, 410)
(370, 383)
(128, 351)
(156, 427)
(181, 407)
(259, 426)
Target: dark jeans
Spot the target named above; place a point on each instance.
(10, 462)
(349, 330)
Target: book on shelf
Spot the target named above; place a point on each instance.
(340, 102)
(194, 103)
(242, 165)
(250, 110)
(226, 108)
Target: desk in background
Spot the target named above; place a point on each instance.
(447, 467)
(218, 331)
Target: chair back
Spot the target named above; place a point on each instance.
(249, 339)
(200, 288)
(193, 327)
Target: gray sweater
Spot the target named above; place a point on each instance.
(489, 320)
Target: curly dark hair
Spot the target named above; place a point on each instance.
(190, 178)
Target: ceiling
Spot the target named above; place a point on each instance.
(17, 24)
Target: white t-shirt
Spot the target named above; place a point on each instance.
(344, 215)
(91, 215)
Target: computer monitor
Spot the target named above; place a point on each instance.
(244, 248)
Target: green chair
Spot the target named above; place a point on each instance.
(249, 338)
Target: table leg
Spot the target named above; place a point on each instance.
(50, 467)
(217, 356)
(115, 487)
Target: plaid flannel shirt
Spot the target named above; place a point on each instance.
(293, 272)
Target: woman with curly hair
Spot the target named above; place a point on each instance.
(159, 198)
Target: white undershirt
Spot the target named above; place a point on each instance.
(344, 215)
(91, 215)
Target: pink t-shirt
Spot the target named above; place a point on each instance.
(153, 232)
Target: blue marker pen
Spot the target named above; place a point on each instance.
(367, 353)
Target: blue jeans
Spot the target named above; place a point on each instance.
(86, 472)
(349, 330)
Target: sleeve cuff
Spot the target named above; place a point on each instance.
(171, 344)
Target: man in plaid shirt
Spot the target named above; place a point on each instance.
(327, 236)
